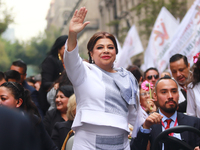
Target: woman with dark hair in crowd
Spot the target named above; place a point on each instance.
(52, 68)
(193, 90)
(58, 114)
(13, 95)
(62, 80)
(107, 98)
(61, 129)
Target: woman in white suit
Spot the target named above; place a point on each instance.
(107, 97)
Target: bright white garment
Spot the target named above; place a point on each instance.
(193, 100)
(103, 99)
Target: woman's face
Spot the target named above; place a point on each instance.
(7, 98)
(104, 54)
(144, 95)
(61, 102)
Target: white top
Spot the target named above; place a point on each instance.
(193, 100)
(98, 103)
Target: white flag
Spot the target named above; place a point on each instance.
(132, 46)
(186, 39)
(159, 41)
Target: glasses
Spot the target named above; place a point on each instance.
(150, 77)
(145, 93)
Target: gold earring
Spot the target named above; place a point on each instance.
(59, 57)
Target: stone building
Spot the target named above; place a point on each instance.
(113, 16)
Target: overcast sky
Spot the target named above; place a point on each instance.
(29, 17)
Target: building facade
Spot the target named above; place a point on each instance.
(113, 16)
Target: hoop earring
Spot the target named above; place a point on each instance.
(59, 57)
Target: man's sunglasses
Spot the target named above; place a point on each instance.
(150, 77)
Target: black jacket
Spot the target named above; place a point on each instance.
(140, 142)
(60, 132)
(50, 119)
(52, 68)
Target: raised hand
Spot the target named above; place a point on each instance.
(154, 118)
(76, 24)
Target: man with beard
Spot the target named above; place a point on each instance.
(167, 95)
(180, 69)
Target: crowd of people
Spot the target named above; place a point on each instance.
(100, 106)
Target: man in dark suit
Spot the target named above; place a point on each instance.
(167, 95)
(16, 131)
(180, 69)
(21, 67)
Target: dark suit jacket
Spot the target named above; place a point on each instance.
(60, 132)
(183, 106)
(140, 142)
(16, 131)
(50, 119)
(52, 68)
(45, 142)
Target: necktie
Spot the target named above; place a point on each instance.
(168, 123)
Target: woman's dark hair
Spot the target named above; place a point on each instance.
(62, 80)
(135, 70)
(18, 91)
(95, 38)
(196, 72)
(60, 42)
(67, 90)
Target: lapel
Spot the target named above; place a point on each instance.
(157, 128)
(182, 121)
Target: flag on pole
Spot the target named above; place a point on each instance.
(132, 46)
(159, 41)
(186, 39)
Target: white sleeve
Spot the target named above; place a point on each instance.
(139, 120)
(74, 66)
(191, 106)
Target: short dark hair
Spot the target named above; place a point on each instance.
(67, 90)
(135, 70)
(2, 75)
(20, 63)
(177, 57)
(151, 68)
(164, 78)
(12, 74)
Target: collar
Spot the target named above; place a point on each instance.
(173, 117)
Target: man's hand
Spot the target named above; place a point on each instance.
(153, 118)
(197, 148)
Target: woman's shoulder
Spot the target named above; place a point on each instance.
(64, 124)
(50, 59)
(52, 112)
